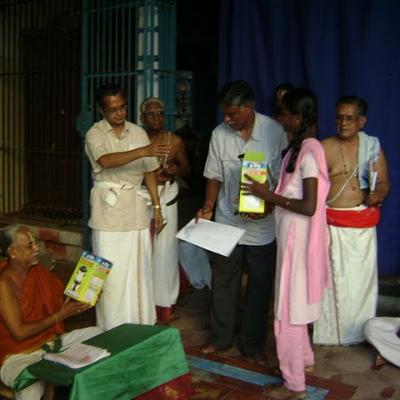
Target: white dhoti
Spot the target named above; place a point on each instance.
(352, 300)
(16, 363)
(128, 291)
(165, 255)
(382, 334)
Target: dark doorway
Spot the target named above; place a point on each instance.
(53, 146)
(197, 53)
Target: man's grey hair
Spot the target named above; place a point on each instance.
(8, 236)
(236, 93)
(151, 100)
(360, 103)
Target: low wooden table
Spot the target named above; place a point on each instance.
(142, 358)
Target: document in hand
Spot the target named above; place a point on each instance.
(78, 355)
(372, 176)
(218, 238)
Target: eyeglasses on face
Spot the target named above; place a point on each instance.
(349, 119)
(114, 110)
(153, 114)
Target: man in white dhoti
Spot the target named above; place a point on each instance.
(122, 157)
(384, 334)
(359, 184)
(165, 262)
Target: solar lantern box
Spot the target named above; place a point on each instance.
(254, 165)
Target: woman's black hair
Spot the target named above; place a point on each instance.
(301, 102)
(287, 87)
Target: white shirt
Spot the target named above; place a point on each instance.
(130, 211)
(224, 165)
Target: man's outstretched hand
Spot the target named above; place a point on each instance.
(205, 213)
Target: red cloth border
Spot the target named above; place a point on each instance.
(165, 314)
(367, 218)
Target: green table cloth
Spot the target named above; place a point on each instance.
(142, 358)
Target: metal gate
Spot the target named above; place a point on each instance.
(54, 53)
(132, 43)
(39, 100)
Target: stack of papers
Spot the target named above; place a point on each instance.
(78, 355)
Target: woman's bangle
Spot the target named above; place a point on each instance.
(156, 206)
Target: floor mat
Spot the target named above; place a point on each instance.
(216, 377)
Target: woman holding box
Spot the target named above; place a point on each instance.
(302, 271)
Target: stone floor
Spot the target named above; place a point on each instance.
(350, 365)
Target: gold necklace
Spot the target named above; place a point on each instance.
(345, 171)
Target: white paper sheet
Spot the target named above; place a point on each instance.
(218, 238)
(78, 355)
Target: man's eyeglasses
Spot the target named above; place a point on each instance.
(114, 110)
(350, 119)
(153, 114)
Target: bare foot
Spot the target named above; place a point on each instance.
(309, 369)
(207, 348)
(379, 362)
(259, 359)
(281, 392)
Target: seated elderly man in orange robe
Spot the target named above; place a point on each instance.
(32, 310)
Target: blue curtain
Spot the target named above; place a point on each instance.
(336, 48)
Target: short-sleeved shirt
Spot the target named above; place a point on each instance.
(224, 165)
(129, 213)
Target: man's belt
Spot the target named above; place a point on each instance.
(171, 181)
(111, 196)
(365, 218)
(113, 185)
(173, 201)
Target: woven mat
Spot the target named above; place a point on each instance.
(233, 378)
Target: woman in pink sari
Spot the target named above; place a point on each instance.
(302, 269)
